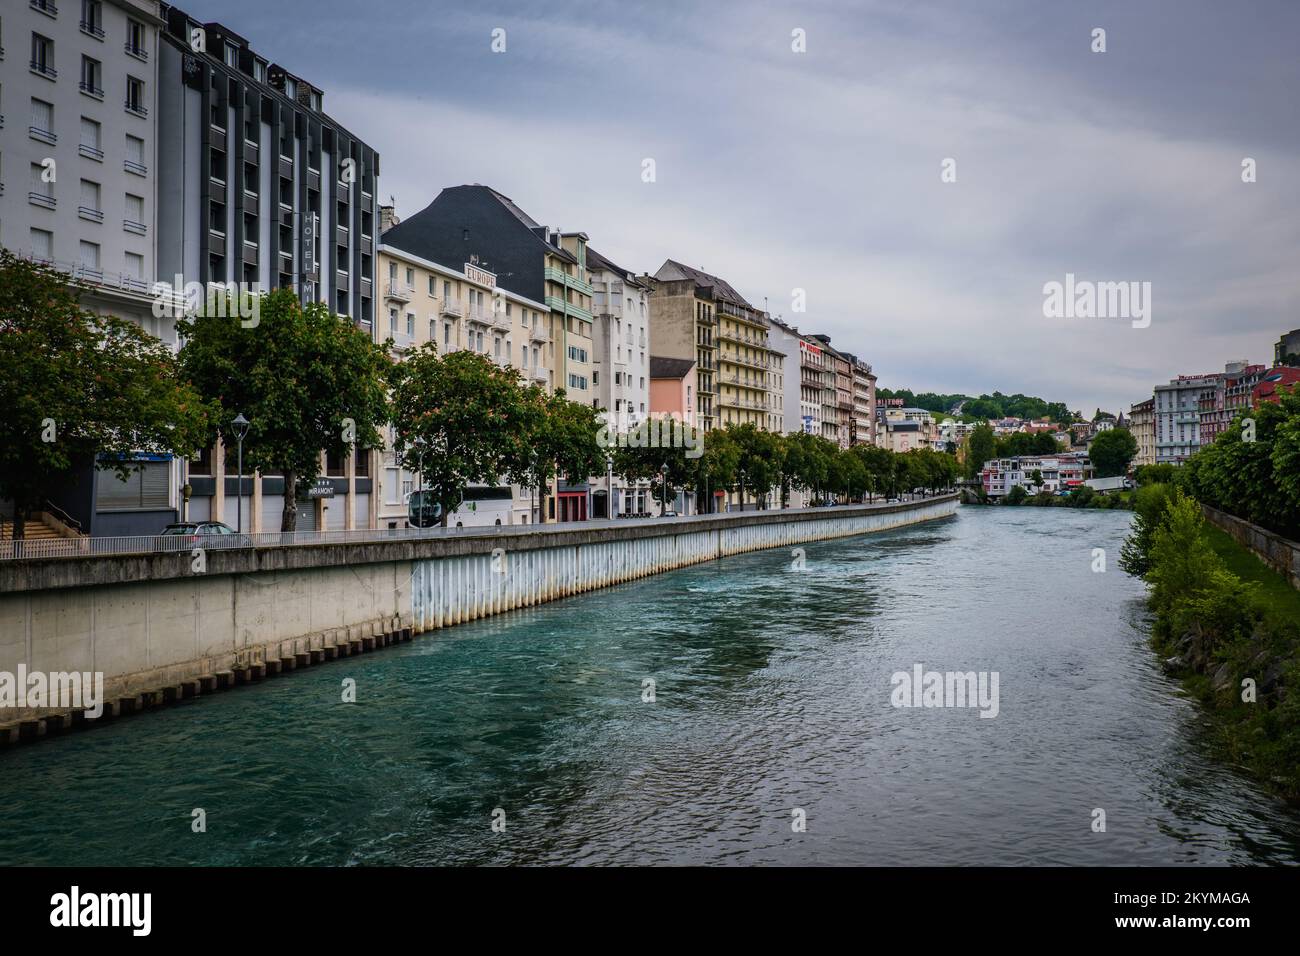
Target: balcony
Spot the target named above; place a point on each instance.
(479, 316)
(539, 334)
(250, 202)
(539, 374)
(47, 7)
(451, 308)
(138, 228)
(89, 214)
(251, 151)
(91, 30)
(216, 242)
(44, 200)
(565, 279)
(139, 52)
(313, 179)
(559, 305)
(503, 322)
(136, 108)
(250, 252)
(90, 152)
(285, 167)
(398, 292)
(138, 169)
(341, 235)
(91, 90)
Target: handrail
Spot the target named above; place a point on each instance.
(63, 516)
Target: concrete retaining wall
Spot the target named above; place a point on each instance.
(1279, 553)
(159, 632)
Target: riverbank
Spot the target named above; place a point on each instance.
(1228, 626)
(159, 633)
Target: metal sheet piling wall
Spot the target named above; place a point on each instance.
(453, 589)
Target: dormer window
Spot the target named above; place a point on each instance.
(232, 55)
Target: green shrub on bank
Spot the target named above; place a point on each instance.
(1233, 641)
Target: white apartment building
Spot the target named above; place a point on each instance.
(1178, 417)
(620, 366)
(77, 159)
(458, 309)
(1059, 473)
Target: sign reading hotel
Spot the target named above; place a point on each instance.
(481, 276)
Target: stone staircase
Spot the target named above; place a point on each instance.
(39, 527)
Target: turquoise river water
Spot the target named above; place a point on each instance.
(772, 692)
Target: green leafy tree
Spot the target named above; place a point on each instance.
(1112, 451)
(79, 388)
(306, 379)
(806, 464)
(759, 461)
(1149, 504)
(461, 419)
(979, 450)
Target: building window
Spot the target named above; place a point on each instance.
(135, 40)
(89, 208)
(432, 291)
(259, 71)
(42, 127)
(90, 257)
(392, 321)
(410, 278)
(135, 96)
(232, 55)
(143, 490)
(446, 333)
(410, 324)
(92, 18)
(43, 56)
(90, 143)
(42, 191)
(42, 245)
(134, 266)
(135, 155)
(91, 77)
(134, 221)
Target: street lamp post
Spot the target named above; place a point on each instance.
(609, 486)
(742, 489)
(240, 424)
(663, 494)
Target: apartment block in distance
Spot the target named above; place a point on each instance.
(476, 224)
(457, 306)
(1142, 424)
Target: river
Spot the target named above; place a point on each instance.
(772, 692)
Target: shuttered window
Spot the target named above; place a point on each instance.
(146, 489)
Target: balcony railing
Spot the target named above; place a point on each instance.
(91, 29)
(42, 199)
(45, 70)
(91, 152)
(539, 334)
(90, 214)
(91, 89)
(138, 228)
(139, 52)
(398, 291)
(136, 108)
(48, 7)
(139, 169)
(451, 308)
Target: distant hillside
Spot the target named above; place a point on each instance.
(996, 405)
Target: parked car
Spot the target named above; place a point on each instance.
(203, 534)
(670, 513)
(892, 501)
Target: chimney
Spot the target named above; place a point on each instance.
(387, 218)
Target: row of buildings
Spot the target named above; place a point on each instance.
(163, 151)
(1192, 410)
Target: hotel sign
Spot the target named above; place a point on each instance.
(481, 276)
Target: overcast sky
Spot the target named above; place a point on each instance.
(821, 170)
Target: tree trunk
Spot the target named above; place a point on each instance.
(20, 522)
(289, 516)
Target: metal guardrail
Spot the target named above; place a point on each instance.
(184, 544)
